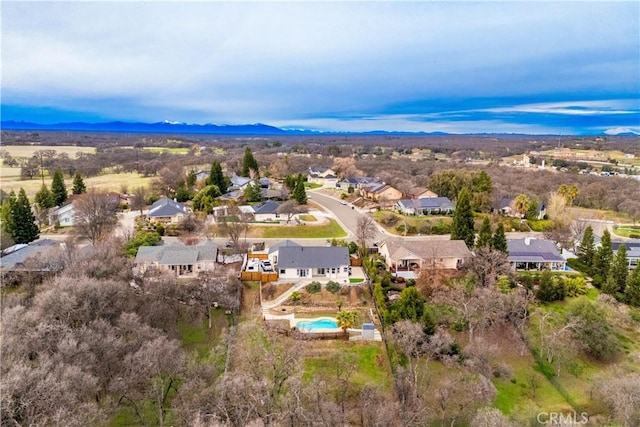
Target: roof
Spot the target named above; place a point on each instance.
(268, 207)
(533, 250)
(427, 203)
(283, 244)
(633, 247)
(240, 181)
(313, 256)
(426, 249)
(166, 207)
(505, 203)
(17, 255)
(177, 254)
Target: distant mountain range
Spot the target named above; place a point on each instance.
(247, 129)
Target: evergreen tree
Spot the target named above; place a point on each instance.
(192, 178)
(252, 192)
(462, 227)
(299, 193)
(23, 223)
(620, 269)
(78, 184)
(217, 178)
(58, 188)
(603, 256)
(587, 250)
(632, 290)
(249, 163)
(485, 235)
(499, 241)
(7, 217)
(44, 198)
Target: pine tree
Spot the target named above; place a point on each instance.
(499, 241)
(249, 163)
(586, 250)
(252, 192)
(462, 227)
(632, 290)
(217, 178)
(7, 217)
(485, 235)
(23, 228)
(58, 188)
(620, 269)
(603, 256)
(299, 193)
(44, 198)
(78, 184)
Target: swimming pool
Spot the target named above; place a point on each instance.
(329, 325)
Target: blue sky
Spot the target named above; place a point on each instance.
(459, 67)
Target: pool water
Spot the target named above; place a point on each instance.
(314, 325)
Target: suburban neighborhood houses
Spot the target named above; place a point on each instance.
(328, 278)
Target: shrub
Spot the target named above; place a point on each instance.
(441, 227)
(313, 287)
(333, 287)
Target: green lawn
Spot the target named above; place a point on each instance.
(627, 230)
(331, 230)
(356, 280)
(175, 150)
(308, 218)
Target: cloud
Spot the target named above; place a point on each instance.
(248, 62)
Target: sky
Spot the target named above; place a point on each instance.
(459, 67)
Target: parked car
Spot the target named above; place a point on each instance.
(266, 266)
(342, 202)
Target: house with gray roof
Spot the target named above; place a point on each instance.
(177, 258)
(274, 250)
(534, 254)
(38, 256)
(313, 263)
(425, 206)
(633, 251)
(167, 210)
(266, 211)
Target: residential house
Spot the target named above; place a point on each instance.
(38, 256)
(313, 263)
(356, 183)
(180, 259)
(406, 258)
(425, 206)
(266, 211)
(506, 207)
(167, 211)
(381, 192)
(274, 250)
(324, 176)
(534, 254)
(633, 251)
(419, 193)
(239, 182)
(64, 215)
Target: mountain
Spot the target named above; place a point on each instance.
(160, 127)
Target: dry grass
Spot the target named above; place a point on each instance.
(27, 151)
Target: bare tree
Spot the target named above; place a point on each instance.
(95, 215)
(488, 265)
(139, 199)
(290, 208)
(234, 225)
(366, 229)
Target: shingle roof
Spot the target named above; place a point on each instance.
(426, 249)
(267, 207)
(177, 254)
(166, 207)
(313, 256)
(533, 250)
(427, 203)
(283, 244)
(16, 259)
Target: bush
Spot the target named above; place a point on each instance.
(441, 227)
(333, 287)
(313, 287)
(160, 229)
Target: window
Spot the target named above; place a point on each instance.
(321, 271)
(282, 271)
(302, 273)
(333, 270)
(346, 269)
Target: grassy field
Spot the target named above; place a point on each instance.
(627, 231)
(27, 151)
(330, 230)
(167, 150)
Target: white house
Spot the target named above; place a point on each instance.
(63, 215)
(534, 254)
(182, 260)
(167, 210)
(313, 263)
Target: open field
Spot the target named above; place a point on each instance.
(27, 151)
(167, 150)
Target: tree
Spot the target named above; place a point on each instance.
(299, 193)
(192, 178)
(58, 189)
(205, 199)
(603, 257)
(252, 192)
(521, 204)
(44, 198)
(499, 240)
(592, 331)
(632, 290)
(587, 250)
(290, 208)
(462, 227)
(346, 319)
(365, 230)
(485, 235)
(234, 225)
(95, 215)
(139, 199)
(620, 271)
(78, 184)
(217, 178)
(249, 163)
(489, 264)
(410, 305)
(568, 192)
(21, 223)
(143, 238)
